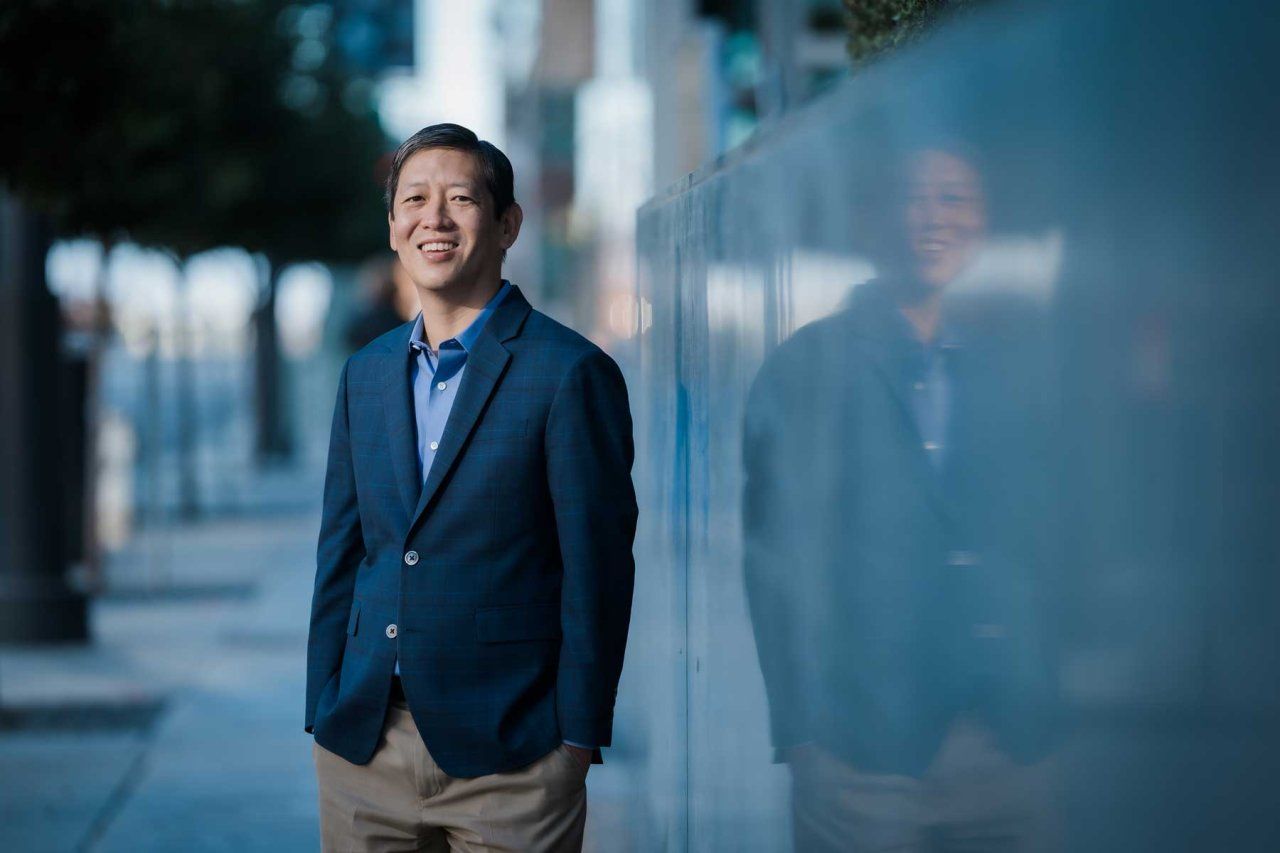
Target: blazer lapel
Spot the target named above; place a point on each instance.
(397, 405)
(486, 363)
(884, 350)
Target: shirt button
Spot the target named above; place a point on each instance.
(989, 631)
(411, 558)
(441, 386)
(392, 630)
(919, 386)
(962, 558)
(434, 445)
(932, 445)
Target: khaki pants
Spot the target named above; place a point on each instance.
(972, 799)
(401, 800)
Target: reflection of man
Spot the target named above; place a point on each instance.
(895, 519)
(474, 577)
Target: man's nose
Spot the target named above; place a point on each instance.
(436, 216)
(935, 212)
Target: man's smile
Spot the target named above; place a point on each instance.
(934, 244)
(437, 249)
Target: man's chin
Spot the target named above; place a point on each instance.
(434, 282)
(936, 278)
(461, 281)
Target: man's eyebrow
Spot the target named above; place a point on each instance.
(465, 186)
(947, 186)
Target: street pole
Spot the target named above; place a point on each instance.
(273, 439)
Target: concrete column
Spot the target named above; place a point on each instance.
(37, 604)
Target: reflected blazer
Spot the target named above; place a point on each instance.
(887, 597)
(503, 583)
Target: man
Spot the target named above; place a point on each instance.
(896, 531)
(474, 569)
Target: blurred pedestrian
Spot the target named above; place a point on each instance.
(388, 298)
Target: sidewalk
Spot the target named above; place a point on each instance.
(180, 726)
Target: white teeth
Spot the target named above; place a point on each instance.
(438, 247)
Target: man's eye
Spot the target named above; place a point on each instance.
(413, 198)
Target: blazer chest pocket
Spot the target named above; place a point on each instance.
(505, 430)
(518, 622)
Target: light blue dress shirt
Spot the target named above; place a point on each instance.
(437, 375)
(929, 375)
(931, 399)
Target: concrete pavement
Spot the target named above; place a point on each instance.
(179, 727)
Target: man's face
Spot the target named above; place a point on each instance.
(442, 222)
(946, 216)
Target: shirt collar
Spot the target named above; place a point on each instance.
(467, 337)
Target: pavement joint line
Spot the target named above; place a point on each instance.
(116, 802)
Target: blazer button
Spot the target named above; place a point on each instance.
(392, 630)
(411, 559)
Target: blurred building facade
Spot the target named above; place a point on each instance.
(618, 99)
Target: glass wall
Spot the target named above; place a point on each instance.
(955, 402)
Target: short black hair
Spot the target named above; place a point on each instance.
(499, 178)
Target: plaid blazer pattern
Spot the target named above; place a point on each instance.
(510, 624)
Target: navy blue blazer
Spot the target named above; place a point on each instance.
(504, 582)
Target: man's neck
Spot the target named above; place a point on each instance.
(446, 314)
(923, 310)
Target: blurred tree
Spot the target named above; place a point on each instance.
(321, 195)
(877, 26)
(189, 125)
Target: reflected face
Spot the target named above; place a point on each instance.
(946, 216)
(442, 222)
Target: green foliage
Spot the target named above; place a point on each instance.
(188, 124)
(878, 26)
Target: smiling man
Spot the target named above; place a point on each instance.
(474, 568)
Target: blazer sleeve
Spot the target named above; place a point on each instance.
(338, 554)
(589, 452)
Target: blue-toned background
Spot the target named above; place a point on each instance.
(701, 182)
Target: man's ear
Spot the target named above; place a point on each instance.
(391, 231)
(510, 222)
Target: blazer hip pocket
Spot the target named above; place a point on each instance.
(517, 623)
